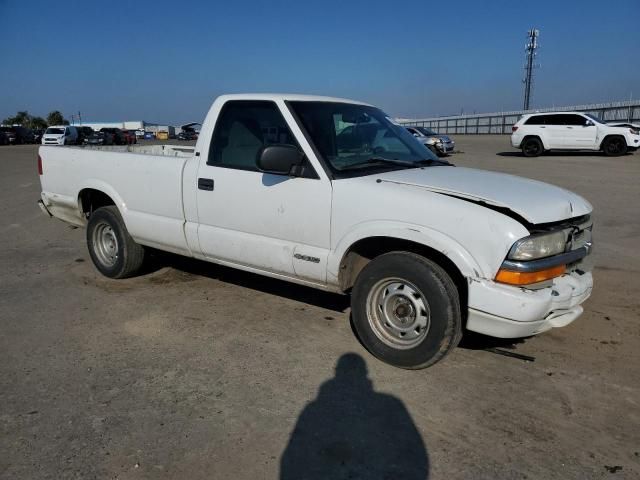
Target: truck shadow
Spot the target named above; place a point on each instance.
(351, 431)
(330, 301)
(477, 341)
(273, 286)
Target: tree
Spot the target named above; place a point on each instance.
(38, 123)
(56, 118)
(21, 118)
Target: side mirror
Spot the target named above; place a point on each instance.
(280, 159)
(589, 123)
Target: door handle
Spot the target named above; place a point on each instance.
(205, 184)
(569, 128)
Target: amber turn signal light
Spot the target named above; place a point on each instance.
(527, 278)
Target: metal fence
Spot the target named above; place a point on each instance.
(501, 123)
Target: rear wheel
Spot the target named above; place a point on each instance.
(114, 253)
(406, 310)
(614, 146)
(532, 147)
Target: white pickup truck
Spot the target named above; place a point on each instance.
(332, 194)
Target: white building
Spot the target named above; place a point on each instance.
(126, 125)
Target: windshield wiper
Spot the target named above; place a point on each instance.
(433, 161)
(394, 161)
(382, 161)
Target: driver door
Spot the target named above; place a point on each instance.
(260, 221)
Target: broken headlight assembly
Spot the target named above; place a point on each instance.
(539, 246)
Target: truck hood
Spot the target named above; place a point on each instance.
(536, 202)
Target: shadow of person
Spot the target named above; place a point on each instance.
(352, 432)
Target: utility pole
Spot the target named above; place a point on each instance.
(80, 117)
(530, 48)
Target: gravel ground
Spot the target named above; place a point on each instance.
(197, 371)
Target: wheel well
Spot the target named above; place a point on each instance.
(365, 250)
(612, 136)
(91, 199)
(531, 136)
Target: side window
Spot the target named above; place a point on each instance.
(577, 120)
(537, 120)
(244, 127)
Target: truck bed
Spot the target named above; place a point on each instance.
(165, 150)
(145, 182)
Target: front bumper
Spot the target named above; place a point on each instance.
(509, 312)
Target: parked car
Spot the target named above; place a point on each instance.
(537, 133)
(100, 138)
(4, 137)
(188, 135)
(441, 145)
(424, 249)
(60, 135)
(162, 136)
(117, 135)
(149, 136)
(17, 135)
(130, 137)
(84, 133)
(140, 133)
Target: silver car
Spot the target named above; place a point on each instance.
(441, 145)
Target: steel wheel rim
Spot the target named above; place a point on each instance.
(398, 313)
(105, 244)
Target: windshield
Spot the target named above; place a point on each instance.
(593, 117)
(359, 137)
(425, 131)
(54, 131)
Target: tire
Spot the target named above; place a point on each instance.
(532, 147)
(403, 283)
(614, 146)
(112, 250)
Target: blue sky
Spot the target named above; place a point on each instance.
(166, 61)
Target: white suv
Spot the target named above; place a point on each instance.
(536, 133)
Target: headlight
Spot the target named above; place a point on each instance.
(538, 246)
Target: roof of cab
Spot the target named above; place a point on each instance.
(287, 97)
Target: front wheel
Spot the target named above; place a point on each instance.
(614, 146)
(406, 310)
(114, 253)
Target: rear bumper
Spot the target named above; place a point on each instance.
(516, 141)
(509, 312)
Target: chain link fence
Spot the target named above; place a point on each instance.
(501, 123)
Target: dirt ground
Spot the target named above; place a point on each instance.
(195, 371)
